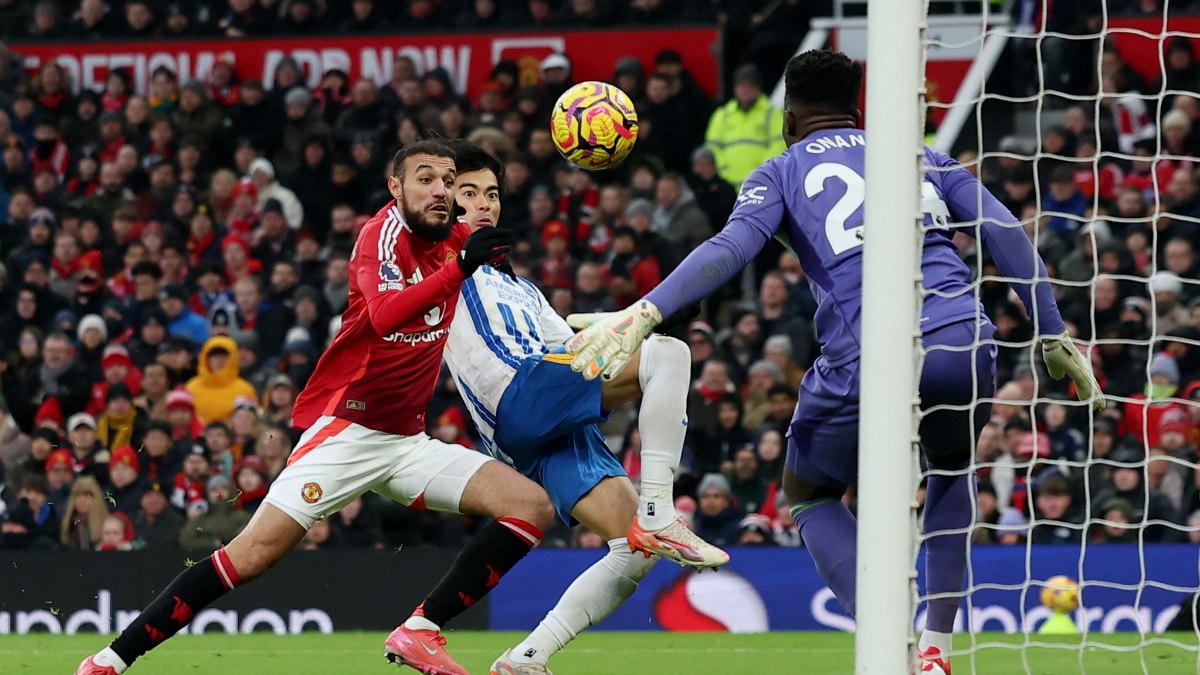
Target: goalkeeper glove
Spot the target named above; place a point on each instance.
(1063, 358)
(608, 340)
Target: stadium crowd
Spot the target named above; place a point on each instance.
(174, 261)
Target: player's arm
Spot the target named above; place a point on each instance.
(391, 304)
(608, 340)
(1016, 257)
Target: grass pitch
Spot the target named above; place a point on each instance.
(604, 652)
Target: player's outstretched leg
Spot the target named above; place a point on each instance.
(269, 536)
(659, 374)
(827, 527)
(948, 436)
(522, 510)
(607, 510)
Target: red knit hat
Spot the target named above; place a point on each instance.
(60, 458)
(115, 355)
(49, 412)
(125, 455)
(180, 398)
(244, 186)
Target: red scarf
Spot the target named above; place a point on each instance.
(197, 247)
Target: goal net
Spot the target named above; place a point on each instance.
(1083, 117)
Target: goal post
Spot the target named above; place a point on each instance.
(891, 291)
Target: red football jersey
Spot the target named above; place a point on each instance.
(382, 367)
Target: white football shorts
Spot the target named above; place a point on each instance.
(336, 461)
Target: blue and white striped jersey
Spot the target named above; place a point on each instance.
(499, 322)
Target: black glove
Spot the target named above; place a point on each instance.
(503, 266)
(485, 244)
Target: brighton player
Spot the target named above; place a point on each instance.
(364, 415)
(534, 412)
(812, 195)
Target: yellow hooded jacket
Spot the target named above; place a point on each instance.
(215, 392)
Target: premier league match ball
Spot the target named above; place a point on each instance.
(594, 125)
(1061, 594)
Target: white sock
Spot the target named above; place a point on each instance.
(415, 622)
(932, 638)
(595, 594)
(107, 657)
(664, 373)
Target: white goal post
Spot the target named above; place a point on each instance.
(891, 291)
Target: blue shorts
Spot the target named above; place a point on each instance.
(547, 423)
(823, 436)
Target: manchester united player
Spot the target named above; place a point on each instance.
(364, 415)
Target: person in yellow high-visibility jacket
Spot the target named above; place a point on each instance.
(747, 130)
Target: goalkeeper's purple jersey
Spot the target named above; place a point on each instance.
(812, 197)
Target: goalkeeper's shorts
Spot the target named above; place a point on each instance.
(959, 369)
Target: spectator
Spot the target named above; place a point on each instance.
(143, 349)
(1116, 515)
(713, 383)
(31, 462)
(1166, 478)
(712, 450)
(83, 521)
(20, 529)
(715, 196)
(60, 475)
(196, 116)
(245, 19)
(364, 18)
(89, 457)
(677, 218)
(781, 403)
(756, 530)
(216, 524)
(116, 533)
(1182, 73)
(1143, 413)
(778, 318)
(1167, 288)
(125, 491)
(219, 441)
(250, 479)
(761, 376)
(1146, 504)
(273, 446)
(1057, 519)
(771, 459)
(14, 445)
(358, 525)
(747, 485)
(717, 520)
(188, 495)
(182, 321)
(743, 344)
(218, 383)
(175, 354)
(744, 132)
(278, 399)
(157, 525)
(121, 424)
(60, 376)
(262, 174)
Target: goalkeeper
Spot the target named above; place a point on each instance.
(811, 196)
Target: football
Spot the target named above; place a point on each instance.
(594, 125)
(1061, 594)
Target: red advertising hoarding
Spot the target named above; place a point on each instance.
(467, 57)
(1142, 41)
